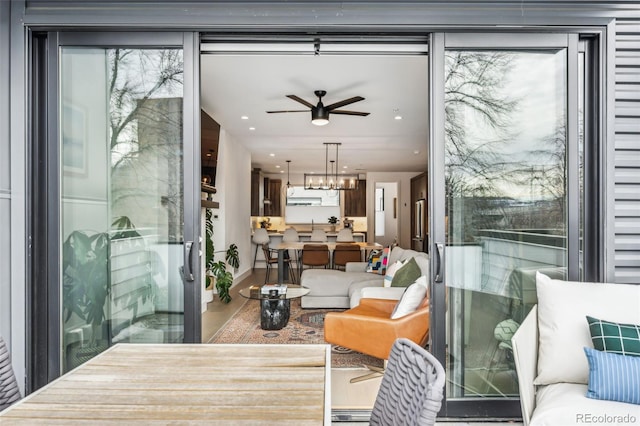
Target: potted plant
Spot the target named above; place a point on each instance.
(209, 255)
(224, 278)
(333, 220)
(87, 277)
(217, 271)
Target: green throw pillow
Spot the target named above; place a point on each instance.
(607, 336)
(406, 275)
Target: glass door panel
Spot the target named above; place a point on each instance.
(122, 198)
(506, 200)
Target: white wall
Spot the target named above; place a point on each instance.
(233, 182)
(404, 201)
(390, 223)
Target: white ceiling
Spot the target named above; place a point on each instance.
(249, 85)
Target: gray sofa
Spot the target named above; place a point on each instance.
(332, 288)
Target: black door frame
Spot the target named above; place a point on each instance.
(44, 254)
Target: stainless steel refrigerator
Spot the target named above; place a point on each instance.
(420, 232)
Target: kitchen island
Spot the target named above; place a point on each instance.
(306, 236)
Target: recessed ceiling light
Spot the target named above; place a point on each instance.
(344, 167)
(416, 152)
(281, 171)
(252, 128)
(397, 117)
(277, 166)
(272, 155)
(244, 117)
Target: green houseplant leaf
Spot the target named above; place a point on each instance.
(223, 278)
(86, 272)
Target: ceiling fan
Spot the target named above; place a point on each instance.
(319, 112)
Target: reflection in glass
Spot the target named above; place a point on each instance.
(505, 183)
(121, 206)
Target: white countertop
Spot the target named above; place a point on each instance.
(308, 234)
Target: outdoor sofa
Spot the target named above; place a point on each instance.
(554, 372)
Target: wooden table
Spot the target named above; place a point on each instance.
(132, 384)
(281, 247)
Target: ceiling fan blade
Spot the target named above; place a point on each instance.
(343, 112)
(295, 110)
(344, 102)
(302, 101)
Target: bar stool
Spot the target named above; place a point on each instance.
(290, 235)
(260, 237)
(318, 235)
(345, 235)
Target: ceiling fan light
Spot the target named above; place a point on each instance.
(320, 121)
(319, 115)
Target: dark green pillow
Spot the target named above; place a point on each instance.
(607, 336)
(407, 274)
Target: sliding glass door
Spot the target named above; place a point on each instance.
(128, 204)
(507, 186)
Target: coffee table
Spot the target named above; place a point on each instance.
(275, 311)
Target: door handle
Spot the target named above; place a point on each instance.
(188, 258)
(439, 258)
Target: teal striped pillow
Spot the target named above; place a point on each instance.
(613, 377)
(623, 339)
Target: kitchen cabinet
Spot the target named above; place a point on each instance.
(257, 192)
(263, 188)
(209, 141)
(272, 192)
(355, 201)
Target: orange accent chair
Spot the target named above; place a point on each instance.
(369, 329)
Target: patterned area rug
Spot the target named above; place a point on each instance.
(305, 326)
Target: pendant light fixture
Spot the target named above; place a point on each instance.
(331, 180)
(289, 189)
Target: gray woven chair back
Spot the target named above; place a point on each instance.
(411, 388)
(9, 392)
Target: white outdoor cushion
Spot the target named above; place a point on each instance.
(562, 324)
(411, 299)
(566, 404)
(391, 271)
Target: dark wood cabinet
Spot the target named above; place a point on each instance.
(355, 201)
(256, 192)
(272, 192)
(419, 187)
(209, 141)
(263, 188)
